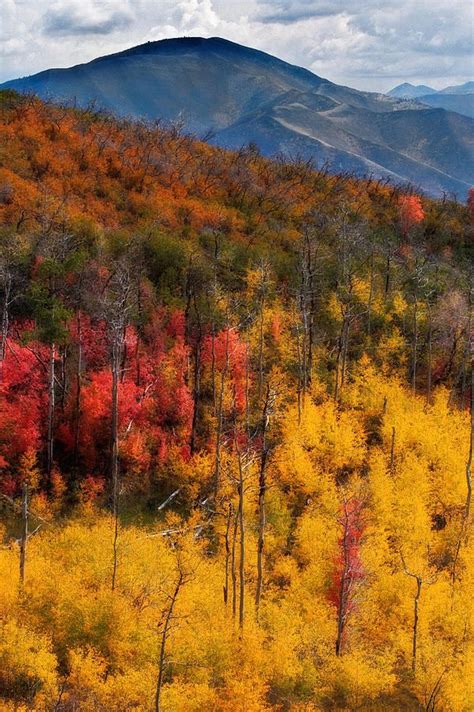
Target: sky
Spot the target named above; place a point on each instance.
(366, 44)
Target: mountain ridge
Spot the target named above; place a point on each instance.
(458, 98)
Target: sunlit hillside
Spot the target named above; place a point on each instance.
(235, 429)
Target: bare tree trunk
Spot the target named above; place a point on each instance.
(304, 360)
(469, 348)
(307, 299)
(51, 404)
(138, 375)
(342, 604)
(213, 368)
(227, 553)
(262, 488)
(5, 319)
(415, 345)
(242, 548)
(341, 358)
(415, 622)
(431, 704)
(77, 405)
(247, 389)
(164, 637)
(64, 385)
(300, 375)
(467, 506)
(430, 347)
(371, 297)
(461, 376)
(196, 378)
(338, 367)
(116, 355)
(416, 608)
(344, 351)
(232, 564)
(220, 414)
(260, 350)
(392, 453)
(305, 269)
(261, 528)
(197, 394)
(24, 533)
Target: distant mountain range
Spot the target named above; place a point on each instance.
(238, 95)
(455, 98)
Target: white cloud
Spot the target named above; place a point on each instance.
(372, 44)
(79, 17)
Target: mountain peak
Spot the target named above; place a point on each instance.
(201, 46)
(410, 91)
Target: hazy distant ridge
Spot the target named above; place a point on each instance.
(454, 98)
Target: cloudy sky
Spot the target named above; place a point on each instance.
(368, 44)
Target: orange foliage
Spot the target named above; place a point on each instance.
(410, 212)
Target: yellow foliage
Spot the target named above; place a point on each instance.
(67, 630)
(27, 664)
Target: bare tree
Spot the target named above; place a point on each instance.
(6, 282)
(262, 489)
(24, 533)
(350, 573)
(164, 628)
(227, 552)
(220, 418)
(51, 407)
(262, 295)
(420, 581)
(116, 305)
(464, 531)
(26, 513)
(245, 459)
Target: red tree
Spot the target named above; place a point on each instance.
(348, 570)
(410, 211)
(23, 406)
(470, 201)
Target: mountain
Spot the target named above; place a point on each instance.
(454, 98)
(461, 103)
(467, 88)
(458, 98)
(410, 91)
(240, 95)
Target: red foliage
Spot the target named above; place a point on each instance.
(228, 346)
(348, 570)
(23, 398)
(155, 404)
(410, 212)
(276, 328)
(93, 340)
(470, 201)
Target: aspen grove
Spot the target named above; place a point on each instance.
(236, 430)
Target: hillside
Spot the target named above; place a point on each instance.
(235, 438)
(241, 95)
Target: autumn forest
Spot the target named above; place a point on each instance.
(236, 432)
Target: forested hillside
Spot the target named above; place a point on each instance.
(235, 429)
